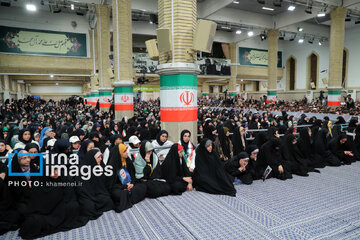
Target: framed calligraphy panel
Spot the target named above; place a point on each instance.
(256, 57)
(42, 42)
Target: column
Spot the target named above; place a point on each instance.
(28, 89)
(337, 34)
(205, 89)
(19, 92)
(216, 91)
(6, 87)
(123, 63)
(272, 64)
(232, 81)
(103, 34)
(94, 93)
(178, 69)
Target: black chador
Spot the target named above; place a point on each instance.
(174, 169)
(125, 190)
(209, 175)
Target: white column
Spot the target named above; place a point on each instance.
(6, 88)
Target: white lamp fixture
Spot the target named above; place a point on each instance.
(321, 14)
(300, 29)
(301, 40)
(30, 7)
(238, 32)
(250, 33)
(72, 6)
(267, 8)
(236, 2)
(51, 75)
(291, 8)
(320, 43)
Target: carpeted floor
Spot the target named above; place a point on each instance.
(321, 206)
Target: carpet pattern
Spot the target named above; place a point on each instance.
(321, 206)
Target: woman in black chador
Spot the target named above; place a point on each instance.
(270, 154)
(209, 175)
(125, 190)
(322, 150)
(9, 217)
(175, 170)
(340, 148)
(94, 194)
(306, 146)
(292, 154)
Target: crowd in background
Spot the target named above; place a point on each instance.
(234, 146)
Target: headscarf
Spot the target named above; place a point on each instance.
(41, 140)
(83, 149)
(158, 137)
(122, 149)
(21, 139)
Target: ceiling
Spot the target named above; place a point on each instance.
(254, 6)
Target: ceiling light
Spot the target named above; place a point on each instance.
(301, 40)
(291, 8)
(308, 10)
(225, 27)
(300, 29)
(151, 22)
(263, 36)
(30, 7)
(261, 1)
(72, 6)
(51, 76)
(277, 3)
(238, 32)
(236, 2)
(56, 84)
(321, 14)
(320, 43)
(267, 8)
(250, 33)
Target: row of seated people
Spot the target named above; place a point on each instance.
(144, 169)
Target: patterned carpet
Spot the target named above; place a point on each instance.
(321, 206)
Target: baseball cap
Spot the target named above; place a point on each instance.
(74, 139)
(134, 140)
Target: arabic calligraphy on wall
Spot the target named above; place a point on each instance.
(39, 42)
(256, 57)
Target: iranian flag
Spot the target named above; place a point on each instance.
(123, 133)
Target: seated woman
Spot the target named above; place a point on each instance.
(175, 170)
(270, 155)
(238, 168)
(339, 147)
(33, 148)
(4, 149)
(94, 194)
(256, 170)
(322, 149)
(50, 209)
(223, 145)
(114, 140)
(148, 170)
(125, 190)
(9, 217)
(85, 147)
(290, 151)
(162, 142)
(24, 138)
(209, 175)
(239, 140)
(189, 149)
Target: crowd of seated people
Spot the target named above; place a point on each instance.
(233, 147)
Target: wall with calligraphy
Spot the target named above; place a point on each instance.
(42, 42)
(46, 21)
